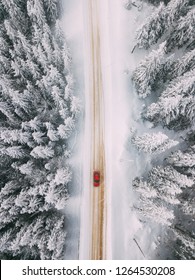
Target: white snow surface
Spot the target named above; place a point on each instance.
(122, 109)
(73, 28)
(85, 226)
(120, 103)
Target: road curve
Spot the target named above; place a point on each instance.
(97, 194)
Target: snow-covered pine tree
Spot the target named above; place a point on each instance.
(52, 10)
(183, 64)
(153, 143)
(183, 33)
(52, 134)
(15, 136)
(157, 69)
(184, 159)
(144, 189)
(152, 71)
(184, 247)
(57, 193)
(160, 190)
(156, 212)
(157, 2)
(176, 105)
(56, 240)
(32, 238)
(169, 178)
(66, 129)
(188, 207)
(153, 28)
(159, 22)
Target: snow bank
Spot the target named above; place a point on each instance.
(122, 112)
(72, 23)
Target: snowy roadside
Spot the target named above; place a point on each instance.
(122, 107)
(72, 23)
(85, 210)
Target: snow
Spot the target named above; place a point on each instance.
(116, 132)
(117, 115)
(117, 30)
(121, 107)
(73, 29)
(85, 228)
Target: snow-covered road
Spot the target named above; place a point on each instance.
(97, 250)
(105, 225)
(94, 91)
(108, 63)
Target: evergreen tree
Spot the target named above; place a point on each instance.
(153, 143)
(183, 159)
(33, 238)
(183, 64)
(151, 72)
(159, 194)
(169, 178)
(188, 207)
(175, 107)
(184, 247)
(183, 33)
(153, 210)
(163, 18)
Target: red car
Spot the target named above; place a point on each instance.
(96, 178)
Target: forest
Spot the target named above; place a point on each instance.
(38, 110)
(165, 80)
